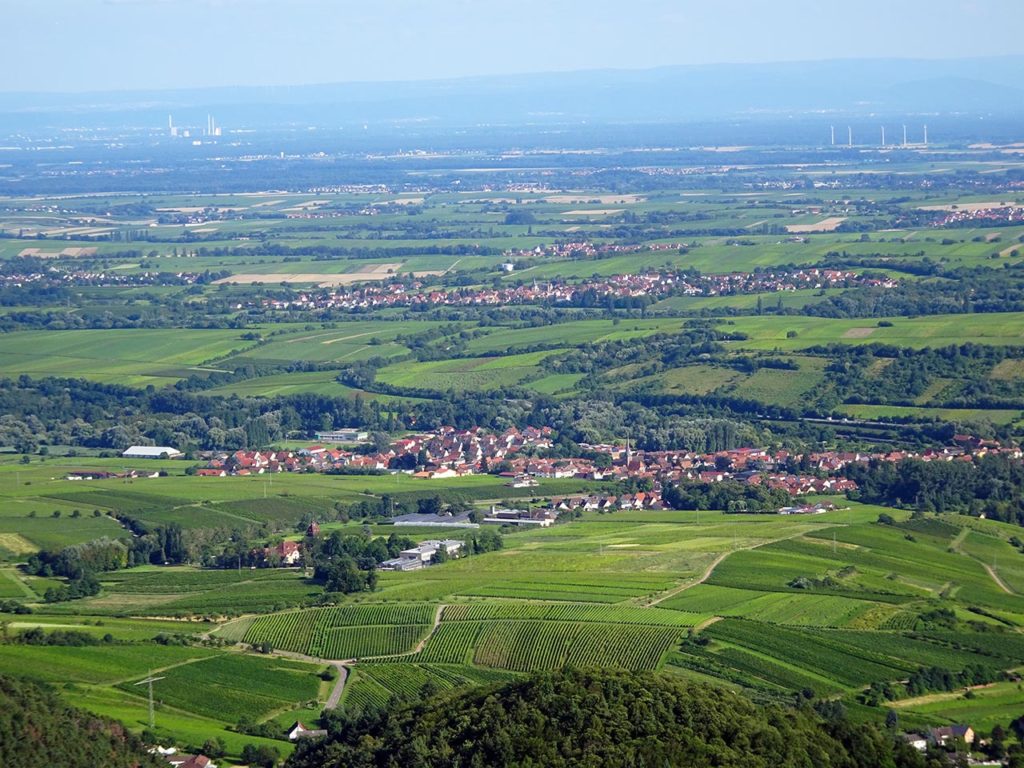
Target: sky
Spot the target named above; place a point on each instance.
(99, 45)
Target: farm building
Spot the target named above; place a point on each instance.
(287, 553)
(948, 734)
(522, 517)
(300, 731)
(917, 741)
(152, 452)
(189, 761)
(435, 521)
(343, 436)
(421, 555)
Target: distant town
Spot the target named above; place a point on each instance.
(595, 291)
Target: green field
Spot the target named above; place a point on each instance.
(473, 373)
(1005, 328)
(766, 604)
(133, 357)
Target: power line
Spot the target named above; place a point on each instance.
(150, 680)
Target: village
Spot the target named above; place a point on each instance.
(650, 285)
(519, 457)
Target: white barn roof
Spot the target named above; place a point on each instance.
(150, 452)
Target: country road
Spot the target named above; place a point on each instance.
(339, 686)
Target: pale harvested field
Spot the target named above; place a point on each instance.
(306, 206)
(401, 201)
(18, 544)
(969, 207)
(316, 278)
(595, 212)
(602, 199)
(858, 333)
(382, 269)
(825, 225)
(323, 279)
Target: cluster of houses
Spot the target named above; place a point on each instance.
(650, 284)
(943, 737)
(53, 277)
(997, 214)
(448, 452)
(175, 759)
(445, 452)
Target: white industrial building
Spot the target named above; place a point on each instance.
(152, 452)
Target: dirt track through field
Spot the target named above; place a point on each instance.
(997, 580)
(714, 564)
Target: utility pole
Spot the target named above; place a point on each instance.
(149, 681)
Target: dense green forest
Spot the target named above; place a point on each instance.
(37, 730)
(602, 720)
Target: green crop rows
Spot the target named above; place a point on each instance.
(569, 612)
(235, 686)
(523, 646)
(344, 632)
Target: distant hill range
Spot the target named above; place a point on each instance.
(853, 88)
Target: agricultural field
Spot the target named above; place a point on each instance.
(466, 374)
(129, 357)
(762, 633)
(767, 604)
(767, 333)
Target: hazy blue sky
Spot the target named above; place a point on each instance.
(80, 45)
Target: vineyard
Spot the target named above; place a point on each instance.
(235, 686)
(344, 632)
(570, 612)
(375, 685)
(813, 610)
(570, 587)
(452, 643)
(833, 661)
(525, 646)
